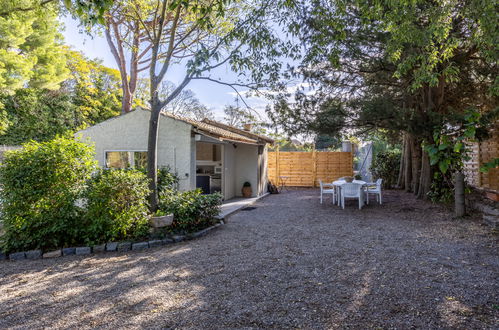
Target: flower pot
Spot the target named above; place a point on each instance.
(161, 221)
(247, 192)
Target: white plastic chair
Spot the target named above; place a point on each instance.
(374, 188)
(327, 188)
(352, 190)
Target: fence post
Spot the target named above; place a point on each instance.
(314, 167)
(277, 174)
(479, 158)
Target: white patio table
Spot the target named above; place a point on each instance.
(337, 186)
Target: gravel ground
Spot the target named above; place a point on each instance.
(289, 263)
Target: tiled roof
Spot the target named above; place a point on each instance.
(222, 131)
(239, 131)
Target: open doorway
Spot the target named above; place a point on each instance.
(209, 167)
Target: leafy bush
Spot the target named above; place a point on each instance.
(386, 166)
(40, 185)
(167, 180)
(191, 210)
(116, 206)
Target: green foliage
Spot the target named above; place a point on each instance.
(31, 51)
(449, 150)
(40, 185)
(407, 67)
(325, 141)
(167, 180)
(39, 115)
(490, 165)
(386, 165)
(88, 11)
(95, 89)
(441, 189)
(91, 95)
(191, 209)
(116, 206)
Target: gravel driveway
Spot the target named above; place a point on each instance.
(289, 263)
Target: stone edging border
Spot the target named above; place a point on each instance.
(107, 247)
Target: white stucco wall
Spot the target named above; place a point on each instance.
(246, 167)
(229, 171)
(129, 133)
(263, 166)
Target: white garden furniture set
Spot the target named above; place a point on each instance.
(358, 189)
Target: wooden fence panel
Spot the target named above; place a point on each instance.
(305, 169)
(481, 153)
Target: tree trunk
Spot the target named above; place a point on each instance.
(426, 177)
(408, 163)
(152, 156)
(459, 202)
(416, 164)
(401, 177)
(126, 101)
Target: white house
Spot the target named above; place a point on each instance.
(205, 154)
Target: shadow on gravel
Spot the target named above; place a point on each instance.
(290, 262)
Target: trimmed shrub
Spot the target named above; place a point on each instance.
(386, 166)
(167, 180)
(40, 185)
(191, 210)
(116, 206)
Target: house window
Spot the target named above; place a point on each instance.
(126, 159)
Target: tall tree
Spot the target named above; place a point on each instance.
(203, 36)
(186, 104)
(125, 36)
(94, 89)
(90, 95)
(237, 116)
(31, 48)
(88, 11)
(411, 66)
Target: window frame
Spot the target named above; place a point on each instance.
(132, 160)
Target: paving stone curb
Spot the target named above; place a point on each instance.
(80, 251)
(108, 247)
(124, 246)
(17, 256)
(99, 248)
(140, 246)
(68, 251)
(33, 254)
(52, 254)
(112, 246)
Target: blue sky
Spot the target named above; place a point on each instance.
(213, 95)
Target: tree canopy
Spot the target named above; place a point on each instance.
(31, 52)
(407, 67)
(91, 94)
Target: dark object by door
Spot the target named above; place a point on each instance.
(203, 182)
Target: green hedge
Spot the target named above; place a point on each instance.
(192, 211)
(386, 166)
(40, 186)
(116, 206)
(50, 199)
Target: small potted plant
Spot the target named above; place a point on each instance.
(246, 191)
(348, 178)
(161, 219)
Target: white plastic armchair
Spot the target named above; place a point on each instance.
(327, 188)
(374, 188)
(352, 190)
